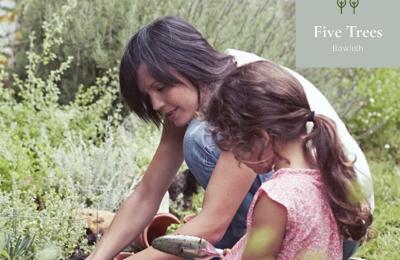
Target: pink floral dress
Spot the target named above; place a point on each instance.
(311, 229)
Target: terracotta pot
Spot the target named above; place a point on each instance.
(122, 255)
(157, 228)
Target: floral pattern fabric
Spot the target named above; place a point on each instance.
(311, 229)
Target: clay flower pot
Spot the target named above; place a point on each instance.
(158, 227)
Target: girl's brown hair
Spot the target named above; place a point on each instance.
(262, 96)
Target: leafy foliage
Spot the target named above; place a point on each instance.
(377, 117)
(13, 250)
(99, 29)
(105, 174)
(54, 158)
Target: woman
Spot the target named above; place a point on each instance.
(167, 73)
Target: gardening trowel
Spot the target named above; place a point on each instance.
(187, 246)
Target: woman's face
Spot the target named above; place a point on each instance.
(178, 103)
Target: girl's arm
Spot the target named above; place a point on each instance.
(140, 207)
(225, 191)
(267, 230)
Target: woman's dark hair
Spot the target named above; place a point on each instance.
(262, 96)
(169, 43)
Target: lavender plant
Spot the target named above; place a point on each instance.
(105, 174)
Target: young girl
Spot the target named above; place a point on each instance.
(167, 73)
(312, 201)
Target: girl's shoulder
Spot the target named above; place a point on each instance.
(310, 222)
(294, 187)
(299, 171)
(294, 177)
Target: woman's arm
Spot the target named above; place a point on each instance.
(140, 207)
(267, 230)
(226, 189)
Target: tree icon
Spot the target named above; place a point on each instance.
(341, 4)
(354, 4)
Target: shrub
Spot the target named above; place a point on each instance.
(55, 223)
(377, 116)
(32, 120)
(105, 174)
(52, 155)
(99, 29)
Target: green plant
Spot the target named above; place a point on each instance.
(17, 247)
(48, 252)
(58, 158)
(105, 174)
(32, 121)
(33, 126)
(377, 115)
(99, 30)
(55, 222)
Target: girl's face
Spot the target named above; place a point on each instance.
(178, 103)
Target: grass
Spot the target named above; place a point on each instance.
(386, 245)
